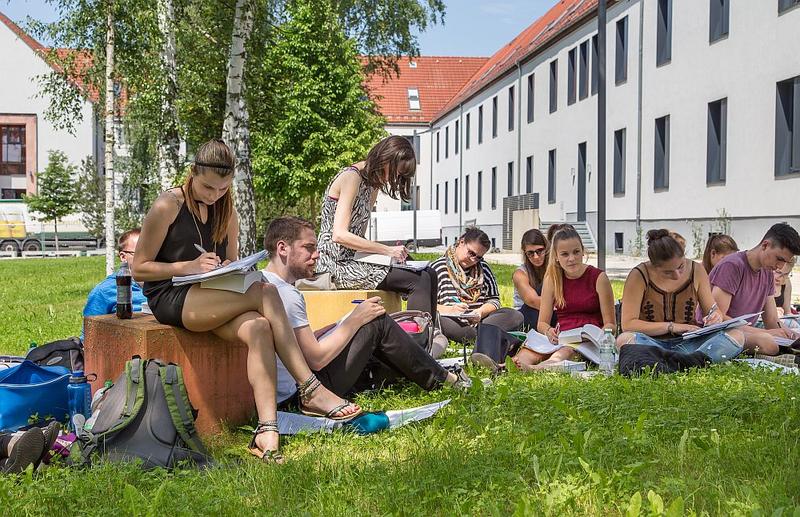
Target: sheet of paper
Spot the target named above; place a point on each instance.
(242, 264)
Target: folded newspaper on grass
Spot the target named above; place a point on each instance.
(385, 260)
(232, 277)
(585, 340)
(739, 321)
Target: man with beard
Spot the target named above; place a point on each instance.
(367, 349)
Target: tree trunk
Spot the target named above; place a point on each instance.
(109, 143)
(236, 131)
(168, 138)
(55, 229)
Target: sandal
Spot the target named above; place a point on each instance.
(26, 451)
(308, 388)
(268, 455)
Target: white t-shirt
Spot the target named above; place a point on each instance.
(295, 306)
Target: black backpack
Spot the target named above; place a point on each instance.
(145, 415)
(65, 352)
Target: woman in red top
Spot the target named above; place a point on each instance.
(578, 292)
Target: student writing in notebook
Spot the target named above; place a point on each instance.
(661, 298)
(579, 293)
(200, 213)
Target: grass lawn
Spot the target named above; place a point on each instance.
(722, 441)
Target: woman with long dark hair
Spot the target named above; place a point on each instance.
(200, 214)
(529, 277)
(346, 207)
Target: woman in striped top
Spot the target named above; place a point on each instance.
(466, 284)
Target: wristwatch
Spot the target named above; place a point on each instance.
(670, 327)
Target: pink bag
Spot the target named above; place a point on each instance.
(412, 327)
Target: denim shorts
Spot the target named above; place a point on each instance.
(719, 346)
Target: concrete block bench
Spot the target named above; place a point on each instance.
(215, 371)
(326, 307)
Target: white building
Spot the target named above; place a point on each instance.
(703, 126)
(26, 135)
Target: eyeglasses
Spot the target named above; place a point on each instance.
(474, 256)
(535, 253)
(129, 252)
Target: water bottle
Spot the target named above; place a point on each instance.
(607, 347)
(79, 393)
(124, 293)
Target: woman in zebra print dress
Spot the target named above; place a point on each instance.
(389, 168)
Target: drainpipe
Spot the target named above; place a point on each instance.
(639, 126)
(518, 127)
(460, 170)
(414, 199)
(601, 135)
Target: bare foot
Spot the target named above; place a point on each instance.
(323, 400)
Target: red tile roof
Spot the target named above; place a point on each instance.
(438, 79)
(83, 59)
(562, 17)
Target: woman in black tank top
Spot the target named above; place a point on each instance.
(200, 215)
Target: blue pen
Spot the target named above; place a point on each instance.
(357, 301)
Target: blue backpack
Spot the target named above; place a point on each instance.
(31, 393)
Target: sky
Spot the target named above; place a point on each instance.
(471, 28)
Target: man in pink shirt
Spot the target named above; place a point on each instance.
(742, 283)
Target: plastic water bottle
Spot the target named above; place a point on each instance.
(79, 393)
(124, 293)
(607, 353)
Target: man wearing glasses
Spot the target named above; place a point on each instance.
(103, 297)
(743, 283)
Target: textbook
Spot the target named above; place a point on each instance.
(468, 315)
(566, 366)
(584, 340)
(385, 260)
(238, 281)
(237, 267)
(732, 323)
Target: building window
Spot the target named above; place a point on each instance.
(529, 174)
(664, 32)
(437, 196)
(494, 116)
(414, 140)
(619, 242)
(456, 137)
(785, 5)
(494, 188)
(12, 150)
(455, 196)
(466, 193)
(551, 176)
(716, 159)
(446, 197)
(661, 155)
(494, 245)
(583, 78)
(437, 146)
(446, 142)
(510, 179)
(480, 125)
(571, 64)
(719, 19)
(595, 66)
(621, 68)
(553, 85)
(413, 99)
(480, 190)
(511, 109)
(466, 132)
(530, 98)
(787, 127)
(619, 161)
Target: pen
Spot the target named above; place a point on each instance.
(710, 312)
(357, 301)
(199, 248)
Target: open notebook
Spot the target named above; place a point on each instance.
(732, 323)
(585, 340)
(384, 260)
(239, 269)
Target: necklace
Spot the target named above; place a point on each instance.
(197, 227)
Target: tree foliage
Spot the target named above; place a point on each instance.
(91, 198)
(310, 115)
(57, 195)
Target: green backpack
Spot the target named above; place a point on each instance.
(145, 415)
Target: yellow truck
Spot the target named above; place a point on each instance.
(20, 230)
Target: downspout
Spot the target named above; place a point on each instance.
(518, 127)
(430, 134)
(639, 130)
(460, 170)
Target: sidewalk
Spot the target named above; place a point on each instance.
(617, 266)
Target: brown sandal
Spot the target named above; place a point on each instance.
(269, 455)
(305, 391)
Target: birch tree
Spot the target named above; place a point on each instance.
(235, 130)
(109, 142)
(168, 138)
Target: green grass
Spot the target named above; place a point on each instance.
(722, 441)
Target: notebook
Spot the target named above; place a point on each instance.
(237, 267)
(732, 323)
(585, 340)
(385, 260)
(238, 281)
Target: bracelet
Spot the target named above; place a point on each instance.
(670, 327)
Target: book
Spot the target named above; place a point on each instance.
(238, 281)
(468, 315)
(584, 340)
(566, 366)
(238, 266)
(732, 323)
(385, 260)
(146, 308)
